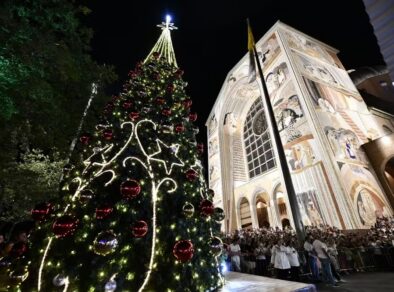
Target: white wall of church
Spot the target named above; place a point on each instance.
(344, 121)
(322, 121)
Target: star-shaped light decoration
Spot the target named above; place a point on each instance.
(173, 150)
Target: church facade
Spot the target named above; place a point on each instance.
(322, 120)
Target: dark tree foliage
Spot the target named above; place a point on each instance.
(46, 73)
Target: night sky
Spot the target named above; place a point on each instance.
(212, 36)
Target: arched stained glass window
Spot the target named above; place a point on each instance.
(258, 147)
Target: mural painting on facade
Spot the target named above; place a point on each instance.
(369, 207)
(288, 114)
(310, 208)
(230, 123)
(212, 125)
(326, 98)
(367, 198)
(300, 155)
(275, 79)
(345, 145)
(323, 72)
(213, 172)
(269, 50)
(213, 146)
(344, 135)
(286, 104)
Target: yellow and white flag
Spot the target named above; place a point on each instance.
(251, 48)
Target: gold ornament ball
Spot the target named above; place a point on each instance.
(218, 214)
(105, 243)
(188, 210)
(216, 246)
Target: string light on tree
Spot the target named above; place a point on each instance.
(129, 208)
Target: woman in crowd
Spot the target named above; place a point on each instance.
(294, 261)
(235, 254)
(279, 259)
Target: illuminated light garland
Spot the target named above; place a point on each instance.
(164, 43)
(81, 187)
(66, 283)
(168, 172)
(43, 262)
(155, 191)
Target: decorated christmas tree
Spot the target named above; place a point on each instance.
(134, 212)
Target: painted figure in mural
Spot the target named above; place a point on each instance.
(349, 149)
(304, 155)
(270, 49)
(281, 76)
(213, 172)
(212, 125)
(272, 82)
(314, 214)
(366, 208)
(286, 120)
(325, 105)
(213, 146)
(230, 123)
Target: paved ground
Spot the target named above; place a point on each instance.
(363, 282)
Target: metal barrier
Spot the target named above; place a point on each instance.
(349, 260)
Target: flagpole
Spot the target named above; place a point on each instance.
(291, 194)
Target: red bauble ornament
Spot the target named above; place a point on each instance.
(134, 116)
(207, 208)
(42, 211)
(18, 249)
(160, 100)
(156, 76)
(65, 226)
(178, 73)
(108, 134)
(191, 174)
(187, 103)
(130, 189)
(179, 128)
(109, 107)
(115, 98)
(166, 112)
(193, 117)
(85, 138)
(156, 55)
(133, 74)
(127, 104)
(170, 88)
(183, 250)
(103, 211)
(200, 148)
(139, 65)
(139, 229)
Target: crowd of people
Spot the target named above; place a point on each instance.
(326, 253)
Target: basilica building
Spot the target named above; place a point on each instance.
(323, 122)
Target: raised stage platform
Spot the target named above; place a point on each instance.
(237, 282)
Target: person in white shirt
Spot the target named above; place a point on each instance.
(312, 257)
(279, 260)
(292, 256)
(235, 254)
(321, 251)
